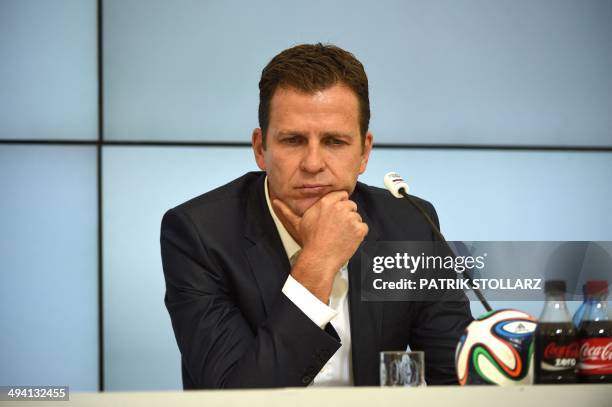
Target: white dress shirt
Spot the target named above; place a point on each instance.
(337, 371)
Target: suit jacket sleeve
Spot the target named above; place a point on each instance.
(219, 347)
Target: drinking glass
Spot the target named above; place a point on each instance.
(402, 368)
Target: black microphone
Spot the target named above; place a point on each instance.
(399, 188)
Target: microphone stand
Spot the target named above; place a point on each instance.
(440, 237)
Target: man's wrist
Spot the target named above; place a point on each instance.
(315, 274)
(315, 259)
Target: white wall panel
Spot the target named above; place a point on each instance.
(48, 267)
(48, 69)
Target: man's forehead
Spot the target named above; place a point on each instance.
(336, 99)
(314, 94)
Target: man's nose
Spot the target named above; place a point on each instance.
(313, 161)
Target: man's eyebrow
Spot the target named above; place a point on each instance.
(290, 133)
(337, 135)
(326, 134)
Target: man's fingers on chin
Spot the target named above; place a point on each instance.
(352, 206)
(340, 195)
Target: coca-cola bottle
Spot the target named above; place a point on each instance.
(595, 336)
(556, 345)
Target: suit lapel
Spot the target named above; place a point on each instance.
(264, 249)
(365, 316)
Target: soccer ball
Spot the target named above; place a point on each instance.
(497, 348)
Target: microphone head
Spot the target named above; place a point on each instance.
(394, 183)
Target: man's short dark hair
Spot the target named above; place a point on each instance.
(310, 68)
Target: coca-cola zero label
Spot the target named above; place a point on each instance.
(558, 356)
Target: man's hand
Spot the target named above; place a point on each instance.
(329, 232)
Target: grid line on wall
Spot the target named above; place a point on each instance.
(99, 144)
(386, 146)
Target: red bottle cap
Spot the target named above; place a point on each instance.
(596, 287)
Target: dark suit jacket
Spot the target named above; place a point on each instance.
(225, 266)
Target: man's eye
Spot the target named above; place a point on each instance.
(335, 142)
(292, 140)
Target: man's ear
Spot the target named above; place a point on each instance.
(258, 148)
(365, 154)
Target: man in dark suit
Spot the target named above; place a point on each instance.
(263, 274)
